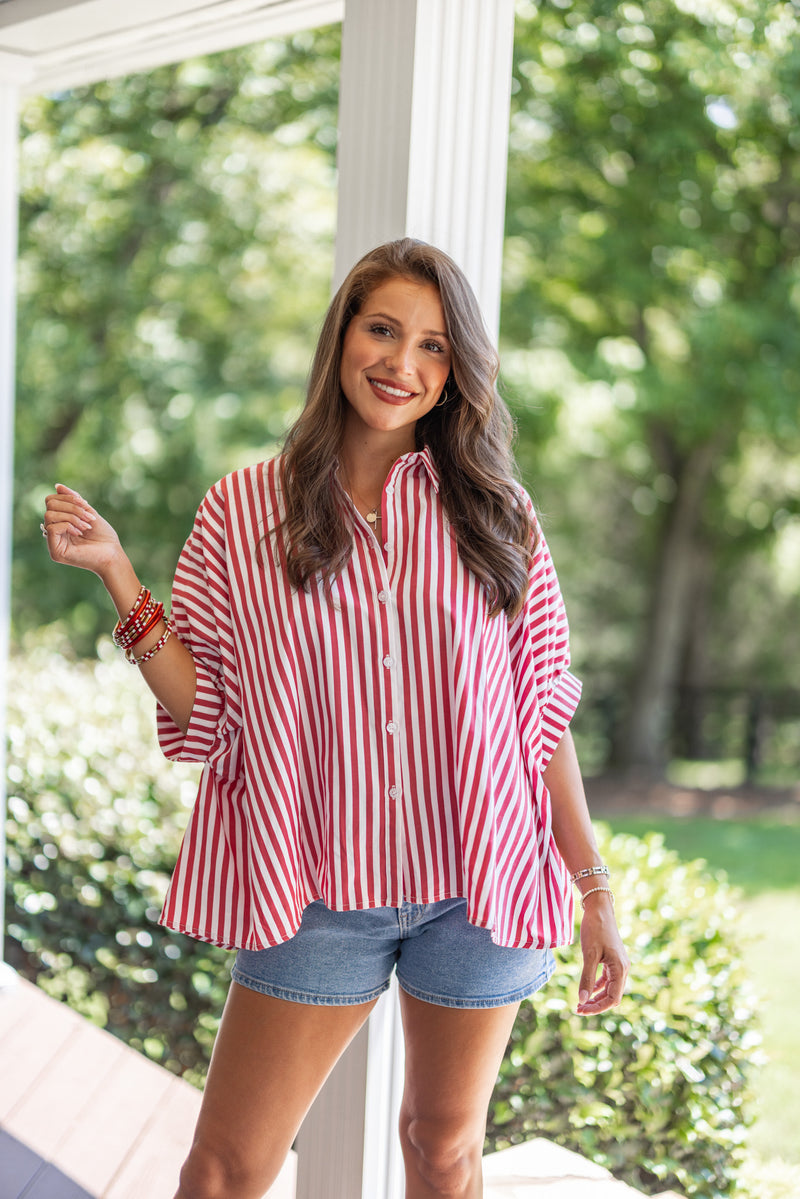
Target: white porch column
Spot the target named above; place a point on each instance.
(423, 131)
(13, 73)
(423, 142)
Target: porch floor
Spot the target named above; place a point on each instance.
(83, 1116)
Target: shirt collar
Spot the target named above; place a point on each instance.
(424, 456)
(427, 458)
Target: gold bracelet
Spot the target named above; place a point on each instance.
(585, 895)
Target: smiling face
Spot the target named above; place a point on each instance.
(395, 360)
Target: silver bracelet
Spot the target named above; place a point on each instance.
(590, 870)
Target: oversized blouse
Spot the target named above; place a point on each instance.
(385, 743)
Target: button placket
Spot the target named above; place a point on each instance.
(392, 692)
(395, 672)
(387, 523)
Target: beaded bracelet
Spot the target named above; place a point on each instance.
(141, 620)
(590, 870)
(140, 631)
(151, 653)
(124, 629)
(585, 895)
(152, 616)
(141, 600)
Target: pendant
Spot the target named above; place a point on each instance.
(372, 516)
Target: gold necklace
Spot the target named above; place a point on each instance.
(373, 516)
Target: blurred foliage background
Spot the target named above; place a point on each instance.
(175, 262)
(176, 250)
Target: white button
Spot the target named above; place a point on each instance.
(383, 597)
(386, 546)
(389, 488)
(391, 727)
(388, 662)
(394, 792)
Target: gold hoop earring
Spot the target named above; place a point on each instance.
(440, 403)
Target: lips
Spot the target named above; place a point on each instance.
(390, 392)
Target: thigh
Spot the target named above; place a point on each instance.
(270, 1058)
(453, 1057)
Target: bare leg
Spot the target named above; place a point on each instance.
(453, 1056)
(270, 1059)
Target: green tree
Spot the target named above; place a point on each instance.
(652, 281)
(175, 259)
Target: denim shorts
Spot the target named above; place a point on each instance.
(341, 958)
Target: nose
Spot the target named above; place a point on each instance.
(400, 357)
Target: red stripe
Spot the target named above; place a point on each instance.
(304, 728)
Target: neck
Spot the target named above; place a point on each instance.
(367, 459)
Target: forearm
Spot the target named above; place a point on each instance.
(572, 826)
(601, 945)
(170, 674)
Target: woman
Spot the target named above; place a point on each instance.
(371, 660)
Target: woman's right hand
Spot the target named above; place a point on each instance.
(77, 535)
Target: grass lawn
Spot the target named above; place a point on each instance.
(762, 856)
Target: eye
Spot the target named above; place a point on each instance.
(435, 346)
(382, 330)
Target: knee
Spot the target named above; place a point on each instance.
(215, 1173)
(443, 1154)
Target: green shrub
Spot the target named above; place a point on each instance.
(95, 818)
(656, 1090)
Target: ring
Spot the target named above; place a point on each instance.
(44, 530)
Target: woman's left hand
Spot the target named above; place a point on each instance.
(603, 951)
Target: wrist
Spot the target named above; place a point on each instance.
(120, 580)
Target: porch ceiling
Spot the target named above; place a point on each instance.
(55, 44)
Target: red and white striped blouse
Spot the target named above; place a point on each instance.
(386, 747)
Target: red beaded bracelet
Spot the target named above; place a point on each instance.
(152, 616)
(123, 628)
(151, 653)
(141, 601)
(142, 624)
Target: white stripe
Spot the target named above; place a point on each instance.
(292, 711)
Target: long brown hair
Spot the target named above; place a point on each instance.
(468, 437)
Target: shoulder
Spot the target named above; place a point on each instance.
(242, 497)
(239, 485)
(524, 500)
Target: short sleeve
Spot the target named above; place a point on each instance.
(201, 613)
(547, 692)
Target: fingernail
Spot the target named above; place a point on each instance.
(583, 996)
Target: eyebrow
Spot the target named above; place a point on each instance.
(391, 320)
